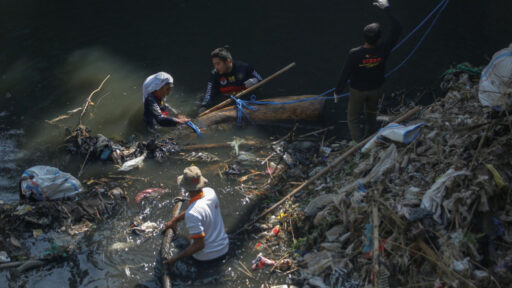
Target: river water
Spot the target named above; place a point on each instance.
(54, 53)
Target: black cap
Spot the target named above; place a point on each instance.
(372, 33)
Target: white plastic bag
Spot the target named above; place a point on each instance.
(395, 132)
(48, 183)
(433, 198)
(495, 87)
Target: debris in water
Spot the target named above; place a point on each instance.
(129, 165)
(150, 192)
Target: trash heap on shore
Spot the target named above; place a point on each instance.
(433, 213)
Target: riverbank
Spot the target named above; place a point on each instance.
(433, 213)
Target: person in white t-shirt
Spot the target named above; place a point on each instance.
(202, 218)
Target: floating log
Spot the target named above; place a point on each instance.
(308, 110)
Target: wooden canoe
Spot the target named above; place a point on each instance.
(309, 110)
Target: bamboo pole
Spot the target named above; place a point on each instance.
(165, 249)
(218, 145)
(336, 162)
(250, 89)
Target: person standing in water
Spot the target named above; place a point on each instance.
(154, 90)
(228, 77)
(365, 67)
(203, 220)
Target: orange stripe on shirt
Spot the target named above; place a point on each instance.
(195, 198)
(202, 235)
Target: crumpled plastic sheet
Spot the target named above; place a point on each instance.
(433, 198)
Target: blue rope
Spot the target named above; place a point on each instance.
(240, 104)
(419, 25)
(195, 128)
(420, 41)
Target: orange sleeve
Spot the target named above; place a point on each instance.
(197, 236)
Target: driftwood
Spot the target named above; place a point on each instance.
(335, 163)
(165, 249)
(228, 101)
(82, 108)
(309, 110)
(86, 104)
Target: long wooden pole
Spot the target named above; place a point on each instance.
(165, 249)
(219, 145)
(250, 89)
(329, 167)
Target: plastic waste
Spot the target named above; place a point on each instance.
(150, 192)
(276, 230)
(121, 245)
(4, 257)
(497, 177)
(37, 232)
(433, 198)
(395, 132)
(235, 143)
(48, 183)
(201, 157)
(20, 210)
(136, 162)
(261, 262)
(495, 89)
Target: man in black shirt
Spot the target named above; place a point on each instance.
(228, 77)
(365, 67)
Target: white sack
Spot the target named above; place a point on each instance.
(495, 87)
(48, 183)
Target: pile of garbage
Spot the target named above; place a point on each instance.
(434, 211)
(72, 215)
(127, 155)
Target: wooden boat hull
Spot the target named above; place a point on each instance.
(309, 110)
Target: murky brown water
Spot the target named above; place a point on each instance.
(53, 54)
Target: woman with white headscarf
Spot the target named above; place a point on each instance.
(154, 90)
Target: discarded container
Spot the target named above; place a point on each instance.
(395, 132)
(276, 230)
(261, 262)
(48, 183)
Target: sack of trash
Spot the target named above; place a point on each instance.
(48, 183)
(495, 88)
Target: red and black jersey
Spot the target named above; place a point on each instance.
(229, 83)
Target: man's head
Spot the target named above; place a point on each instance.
(222, 60)
(192, 180)
(372, 33)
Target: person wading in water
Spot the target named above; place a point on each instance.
(154, 90)
(228, 77)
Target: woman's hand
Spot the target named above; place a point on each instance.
(182, 120)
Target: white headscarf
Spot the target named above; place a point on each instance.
(155, 82)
